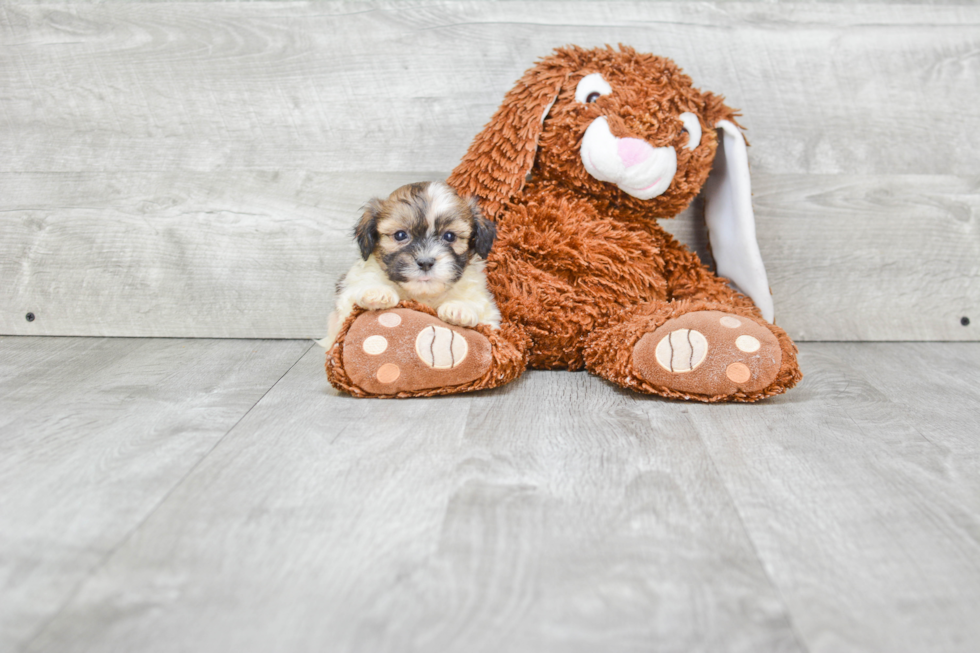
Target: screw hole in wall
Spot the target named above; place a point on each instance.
(965, 321)
(30, 317)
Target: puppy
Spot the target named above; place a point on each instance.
(425, 243)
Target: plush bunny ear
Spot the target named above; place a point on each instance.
(731, 223)
(496, 166)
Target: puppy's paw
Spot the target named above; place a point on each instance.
(461, 314)
(377, 298)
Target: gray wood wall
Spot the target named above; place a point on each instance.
(193, 169)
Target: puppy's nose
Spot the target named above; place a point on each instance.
(426, 263)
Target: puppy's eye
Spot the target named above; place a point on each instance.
(591, 87)
(400, 236)
(449, 237)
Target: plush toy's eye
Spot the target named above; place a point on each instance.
(692, 127)
(591, 87)
(449, 237)
(400, 236)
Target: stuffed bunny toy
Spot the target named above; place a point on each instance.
(586, 152)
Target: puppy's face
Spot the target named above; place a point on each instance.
(423, 236)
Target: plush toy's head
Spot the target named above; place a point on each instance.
(643, 134)
(615, 124)
(628, 130)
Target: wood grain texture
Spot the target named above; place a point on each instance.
(134, 254)
(872, 258)
(554, 515)
(117, 255)
(862, 493)
(949, 418)
(94, 434)
(192, 169)
(395, 87)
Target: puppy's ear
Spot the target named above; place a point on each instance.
(366, 229)
(484, 232)
(496, 165)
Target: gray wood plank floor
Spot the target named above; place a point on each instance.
(94, 434)
(164, 495)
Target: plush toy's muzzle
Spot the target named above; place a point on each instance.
(635, 166)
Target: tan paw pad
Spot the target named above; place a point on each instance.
(730, 322)
(682, 351)
(748, 344)
(375, 345)
(390, 320)
(440, 348)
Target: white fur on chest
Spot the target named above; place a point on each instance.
(465, 303)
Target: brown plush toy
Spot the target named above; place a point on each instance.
(586, 152)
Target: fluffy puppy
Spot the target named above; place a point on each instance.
(426, 243)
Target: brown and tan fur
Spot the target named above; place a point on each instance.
(423, 243)
(581, 270)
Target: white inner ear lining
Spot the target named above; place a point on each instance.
(547, 109)
(731, 221)
(544, 116)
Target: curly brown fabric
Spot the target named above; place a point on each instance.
(581, 270)
(608, 352)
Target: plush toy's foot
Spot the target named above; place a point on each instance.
(704, 351)
(709, 353)
(404, 352)
(387, 352)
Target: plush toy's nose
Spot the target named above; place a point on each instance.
(633, 151)
(638, 168)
